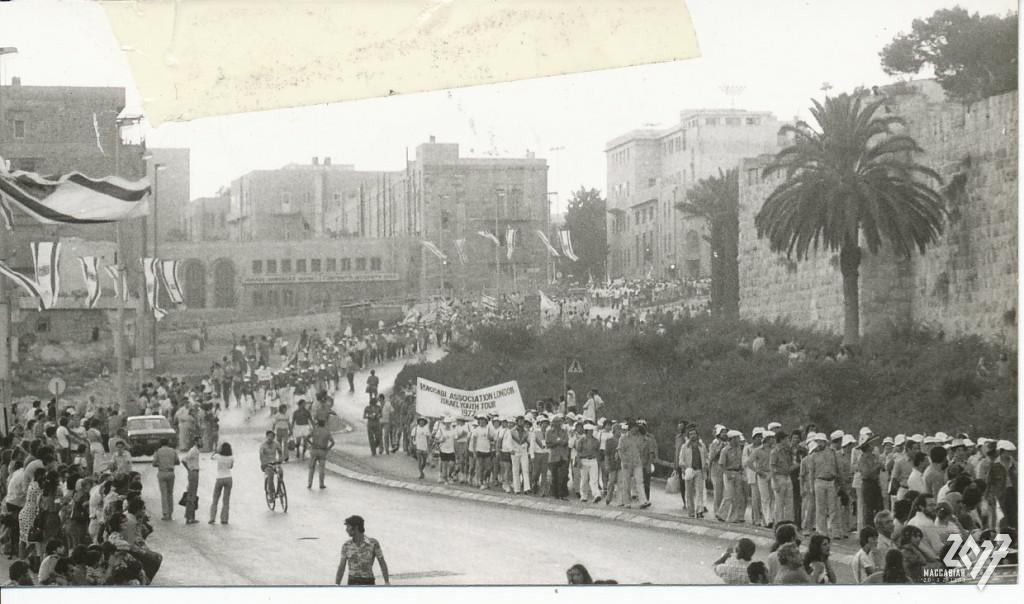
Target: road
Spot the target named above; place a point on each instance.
(427, 540)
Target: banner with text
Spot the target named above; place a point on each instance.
(438, 400)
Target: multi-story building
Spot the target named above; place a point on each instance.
(206, 219)
(171, 192)
(650, 170)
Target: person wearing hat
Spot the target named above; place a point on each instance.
(444, 436)
(806, 485)
(750, 475)
(461, 450)
(693, 464)
(482, 450)
(612, 464)
(519, 435)
(762, 490)
(780, 463)
(587, 447)
(864, 433)
(631, 446)
(505, 448)
(902, 465)
(824, 473)
(869, 464)
(557, 439)
(715, 469)
(539, 456)
(731, 460)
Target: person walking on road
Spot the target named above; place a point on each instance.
(557, 440)
(301, 426)
(372, 382)
(164, 461)
(320, 442)
(225, 462)
(358, 555)
(191, 463)
(372, 416)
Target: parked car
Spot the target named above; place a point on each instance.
(145, 433)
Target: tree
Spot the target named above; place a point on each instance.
(716, 199)
(973, 57)
(586, 222)
(851, 178)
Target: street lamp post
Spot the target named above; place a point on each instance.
(156, 254)
(5, 306)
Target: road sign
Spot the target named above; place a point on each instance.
(575, 366)
(57, 386)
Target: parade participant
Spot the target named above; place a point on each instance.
(870, 495)
(693, 463)
(320, 442)
(300, 427)
(270, 452)
(372, 416)
(631, 454)
(731, 460)
(421, 437)
(444, 435)
(750, 476)
(461, 450)
(280, 423)
(586, 452)
(483, 451)
(372, 383)
(386, 427)
(539, 456)
(358, 554)
(503, 438)
(520, 437)
(556, 439)
(714, 468)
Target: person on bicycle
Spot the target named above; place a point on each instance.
(320, 441)
(270, 452)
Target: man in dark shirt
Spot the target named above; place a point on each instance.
(558, 458)
(372, 416)
(301, 425)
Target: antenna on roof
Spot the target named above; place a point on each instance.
(732, 91)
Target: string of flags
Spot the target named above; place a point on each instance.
(510, 244)
(565, 238)
(45, 285)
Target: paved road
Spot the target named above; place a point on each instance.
(427, 540)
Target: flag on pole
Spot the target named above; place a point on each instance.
(6, 216)
(29, 285)
(460, 248)
(490, 236)
(549, 311)
(169, 277)
(489, 302)
(73, 198)
(510, 241)
(149, 272)
(547, 243)
(120, 278)
(590, 280)
(433, 249)
(96, 131)
(46, 259)
(90, 273)
(565, 238)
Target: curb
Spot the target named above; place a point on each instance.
(536, 505)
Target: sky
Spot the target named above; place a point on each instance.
(780, 53)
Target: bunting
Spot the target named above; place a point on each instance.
(547, 243)
(490, 237)
(489, 302)
(117, 274)
(169, 277)
(565, 238)
(90, 274)
(510, 241)
(6, 216)
(27, 284)
(149, 272)
(433, 249)
(460, 249)
(46, 259)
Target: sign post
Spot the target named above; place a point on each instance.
(56, 388)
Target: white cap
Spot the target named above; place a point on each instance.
(900, 439)
(588, 426)
(836, 434)
(1005, 445)
(718, 428)
(942, 437)
(917, 438)
(865, 430)
(968, 442)
(930, 440)
(774, 425)
(982, 440)
(957, 442)
(887, 440)
(734, 433)
(812, 446)
(848, 439)
(758, 431)
(820, 436)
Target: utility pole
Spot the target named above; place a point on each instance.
(6, 331)
(499, 195)
(156, 254)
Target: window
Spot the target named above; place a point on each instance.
(711, 121)
(332, 265)
(515, 200)
(43, 325)
(18, 128)
(732, 121)
(257, 267)
(360, 264)
(753, 121)
(272, 298)
(286, 266)
(337, 198)
(346, 264)
(375, 264)
(314, 265)
(651, 182)
(257, 298)
(300, 265)
(287, 298)
(271, 267)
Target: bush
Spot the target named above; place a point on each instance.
(904, 381)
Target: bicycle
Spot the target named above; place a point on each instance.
(280, 493)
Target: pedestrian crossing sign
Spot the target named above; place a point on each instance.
(575, 366)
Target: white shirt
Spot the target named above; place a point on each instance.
(62, 437)
(861, 564)
(224, 465)
(916, 481)
(421, 436)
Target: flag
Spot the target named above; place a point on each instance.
(433, 249)
(120, 278)
(547, 243)
(590, 280)
(6, 216)
(90, 274)
(96, 131)
(565, 238)
(489, 302)
(46, 259)
(460, 248)
(27, 284)
(74, 198)
(548, 310)
(149, 271)
(490, 237)
(510, 241)
(169, 277)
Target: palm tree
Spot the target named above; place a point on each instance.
(716, 199)
(853, 176)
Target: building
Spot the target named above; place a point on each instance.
(650, 170)
(206, 219)
(964, 284)
(171, 192)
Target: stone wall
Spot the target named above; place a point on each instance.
(964, 284)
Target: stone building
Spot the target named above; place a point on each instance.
(206, 219)
(171, 192)
(650, 170)
(965, 284)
